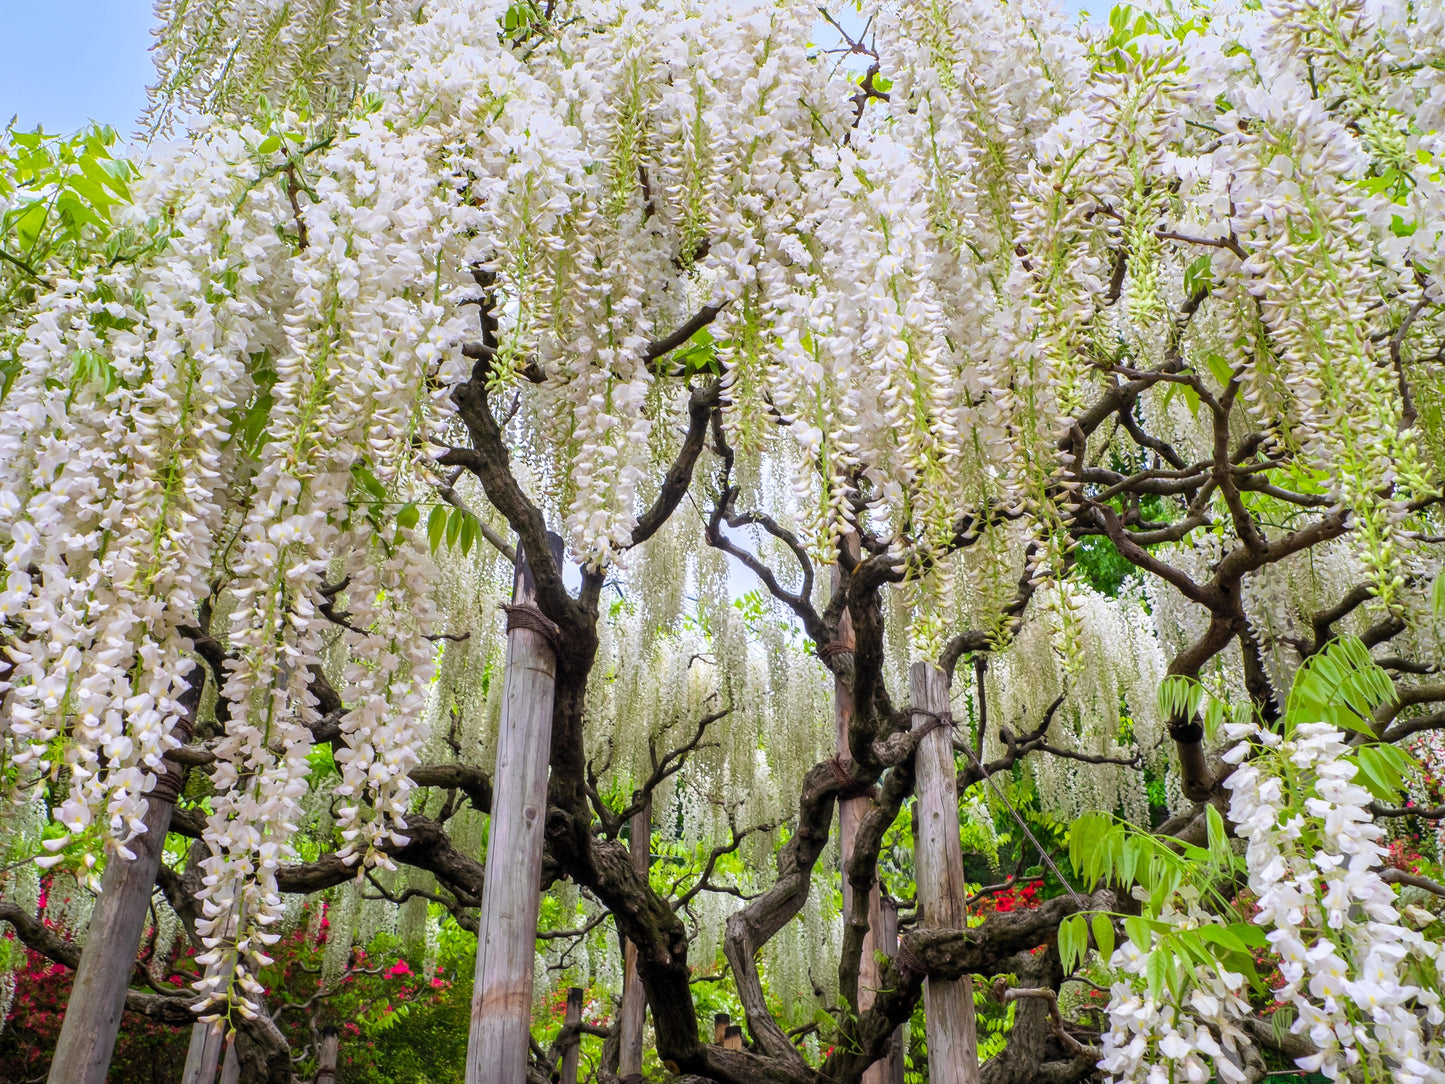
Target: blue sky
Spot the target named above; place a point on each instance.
(64, 62)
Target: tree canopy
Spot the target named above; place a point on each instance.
(1096, 366)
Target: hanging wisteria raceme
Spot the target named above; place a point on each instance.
(1352, 968)
(1357, 977)
(350, 390)
(214, 58)
(113, 487)
(883, 361)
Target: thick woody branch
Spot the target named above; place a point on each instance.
(668, 343)
(1431, 813)
(987, 949)
(800, 601)
(1056, 1019)
(700, 406)
(34, 934)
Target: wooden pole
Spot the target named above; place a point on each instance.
(733, 1038)
(203, 1054)
(326, 1057)
(206, 1042)
(720, 1024)
(97, 997)
(942, 890)
(850, 817)
(574, 1045)
(231, 1067)
(511, 894)
(634, 1001)
(898, 1046)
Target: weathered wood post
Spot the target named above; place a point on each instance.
(206, 1041)
(633, 1017)
(942, 890)
(97, 999)
(573, 1019)
(327, 1056)
(204, 1052)
(733, 1038)
(897, 1048)
(231, 1067)
(506, 946)
(850, 817)
(720, 1022)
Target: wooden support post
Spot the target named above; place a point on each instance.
(97, 997)
(204, 1052)
(500, 1035)
(327, 1056)
(574, 1045)
(231, 1067)
(733, 1038)
(720, 1024)
(942, 890)
(850, 817)
(206, 1041)
(634, 1001)
(898, 1047)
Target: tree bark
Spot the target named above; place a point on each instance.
(97, 1000)
(942, 890)
(633, 1017)
(850, 816)
(511, 893)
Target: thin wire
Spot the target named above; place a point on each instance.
(988, 778)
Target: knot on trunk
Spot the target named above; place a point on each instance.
(848, 786)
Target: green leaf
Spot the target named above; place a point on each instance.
(454, 526)
(1073, 941)
(1218, 836)
(1340, 685)
(436, 526)
(1084, 838)
(1383, 769)
(1224, 937)
(1135, 849)
(699, 355)
(1157, 967)
(1199, 277)
(29, 223)
(92, 168)
(369, 482)
(408, 516)
(73, 209)
(1179, 697)
(1104, 935)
